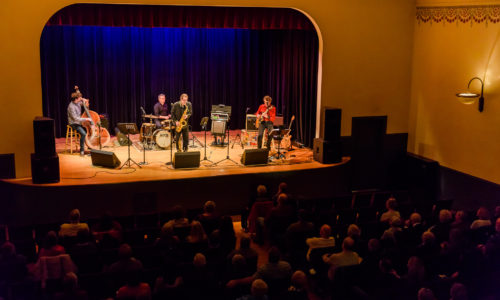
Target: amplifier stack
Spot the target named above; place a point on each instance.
(45, 161)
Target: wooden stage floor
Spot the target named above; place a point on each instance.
(76, 170)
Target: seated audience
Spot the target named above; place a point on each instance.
(483, 219)
(209, 219)
(394, 232)
(282, 189)
(108, 231)
(425, 294)
(461, 223)
(168, 283)
(70, 289)
(179, 219)
(299, 290)
(126, 268)
(71, 229)
(50, 246)
(458, 291)
(278, 220)
(345, 258)
(390, 205)
(442, 229)
(245, 214)
(413, 231)
(134, 289)
(354, 232)
(325, 240)
(227, 235)
(258, 291)
(12, 265)
(250, 255)
(296, 236)
(198, 281)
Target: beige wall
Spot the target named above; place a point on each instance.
(366, 60)
(446, 57)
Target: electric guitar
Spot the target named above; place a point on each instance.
(260, 118)
(286, 142)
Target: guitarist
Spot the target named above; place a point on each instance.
(265, 118)
(74, 117)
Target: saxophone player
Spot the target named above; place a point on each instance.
(181, 111)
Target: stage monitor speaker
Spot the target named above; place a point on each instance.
(186, 160)
(7, 166)
(44, 135)
(218, 127)
(327, 152)
(254, 157)
(104, 158)
(332, 118)
(44, 169)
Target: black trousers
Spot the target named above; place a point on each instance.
(83, 132)
(185, 138)
(263, 125)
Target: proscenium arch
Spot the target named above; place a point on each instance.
(317, 122)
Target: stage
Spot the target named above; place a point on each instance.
(156, 186)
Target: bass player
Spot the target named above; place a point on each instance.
(265, 118)
(74, 117)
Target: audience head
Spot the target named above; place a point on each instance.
(261, 190)
(460, 216)
(245, 242)
(425, 294)
(353, 231)
(415, 218)
(458, 291)
(259, 288)
(50, 239)
(282, 199)
(497, 211)
(214, 238)
(445, 216)
(124, 252)
(274, 255)
(348, 244)
(283, 188)
(391, 203)
(74, 216)
(199, 260)
(299, 280)
(325, 231)
(197, 233)
(416, 268)
(373, 245)
(70, 281)
(178, 212)
(428, 237)
(385, 265)
(209, 207)
(7, 250)
(238, 261)
(483, 213)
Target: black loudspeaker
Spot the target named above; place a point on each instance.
(327, 152)
(44, 135)
(44, 169)
(7, 166)
(332, 118)
(255, 157)
(104, 159)
(186, 160)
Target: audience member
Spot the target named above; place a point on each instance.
(12, 265)
(71, 229)
(197, 234)
(108, 231)
(483, 219)
(178, 218)
(126, 268)
(250, 255)
(299, 289)
(390, 205)
(209, 219)
(50, 246)
(198, 281)
(296, 236)
(458, 291)
(441, 230)
(227, 235)
(360, 246)
(325, 240)
(425, 294)
(394, 232)
(282, 189)
(258, 291)
(278, 220)
(70, 289)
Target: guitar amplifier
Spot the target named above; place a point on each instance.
(218, 127)
(250, 123)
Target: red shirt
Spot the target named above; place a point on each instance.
(271, 113)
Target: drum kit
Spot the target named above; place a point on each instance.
(161, 137)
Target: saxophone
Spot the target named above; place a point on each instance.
(182, 121)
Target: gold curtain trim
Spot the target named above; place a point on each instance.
(464, 14)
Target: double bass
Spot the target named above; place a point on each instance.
(96, 135)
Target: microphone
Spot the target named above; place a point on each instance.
(143, 111)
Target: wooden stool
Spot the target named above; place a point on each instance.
(73, 136)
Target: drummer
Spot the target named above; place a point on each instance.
(161, 110)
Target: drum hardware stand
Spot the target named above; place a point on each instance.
(171, 146)
(227, 156)
(237, 139)
(129, 128)
(203, 124)
(194, 138)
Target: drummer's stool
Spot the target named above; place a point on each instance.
(73, 136)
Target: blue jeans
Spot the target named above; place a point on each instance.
(79, 128)
(263, 125)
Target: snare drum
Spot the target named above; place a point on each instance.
(147, 131)
(162, 138)
(167, 125)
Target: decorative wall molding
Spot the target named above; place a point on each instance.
(464, 14)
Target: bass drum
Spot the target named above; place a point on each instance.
(162, 138)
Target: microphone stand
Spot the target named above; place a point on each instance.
(143, 146)
(171, 139)
(227, 156)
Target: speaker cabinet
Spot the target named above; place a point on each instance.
(218, 127)
(44, 169)
(7, 166)
(327, 152)
(44, 135)
(251, 122)
(104, 158)
(186, 160)
(255, 157)
(332, 118)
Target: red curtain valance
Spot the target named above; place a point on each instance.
(180, 16)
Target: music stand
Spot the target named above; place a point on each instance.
(128, 128)
(203, 124)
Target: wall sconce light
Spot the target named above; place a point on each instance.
(468, 97)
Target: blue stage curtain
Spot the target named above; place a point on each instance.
(122, 68)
